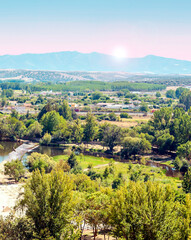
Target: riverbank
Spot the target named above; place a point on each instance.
(18, 153)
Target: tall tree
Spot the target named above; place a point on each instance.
(47, 201)
(112, 136)
(52, 121)
(90, 128)
(146, 211)
(65, 110)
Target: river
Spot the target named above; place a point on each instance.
(54, 151)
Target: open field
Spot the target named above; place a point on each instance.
(85, 161)
(129, 122)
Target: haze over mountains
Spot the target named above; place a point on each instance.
(76, 61)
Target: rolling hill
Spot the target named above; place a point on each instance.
(76, 61)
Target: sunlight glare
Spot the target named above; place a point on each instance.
(120, 53)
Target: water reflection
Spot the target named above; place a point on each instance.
(49, 150)
(7, 148)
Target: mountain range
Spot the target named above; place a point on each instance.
(76, 61)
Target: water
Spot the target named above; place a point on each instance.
(54, 151)
(8, 147)
(49, 150)
(169, 171)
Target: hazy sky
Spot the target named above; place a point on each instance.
(141, 27)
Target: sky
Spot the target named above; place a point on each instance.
(138, 27)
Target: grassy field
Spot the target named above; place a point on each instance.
(124, 169)
(85, 161)
(129, 122)
(127, 169)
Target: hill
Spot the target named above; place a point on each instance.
(76, 61)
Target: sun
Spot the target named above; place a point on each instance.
(120, 53)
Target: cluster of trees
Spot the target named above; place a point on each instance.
(81, 86)
(55, 123)
(58, 205)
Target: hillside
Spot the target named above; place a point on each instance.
(76, 61)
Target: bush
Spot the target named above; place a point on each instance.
(72, 161)
(14, 169)
(40, 161)
(46, 139)
(125, 115)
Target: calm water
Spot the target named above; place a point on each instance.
(8, 147)
(48, 150)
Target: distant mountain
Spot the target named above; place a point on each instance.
(76, 61)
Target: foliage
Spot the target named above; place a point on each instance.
(184, 150)
(185, 99)
(40, 161)
(46, 139)
(34, 130)
(14, 169)
(90, 128)
(65, 110)
(52, 122)
(112, 136)
(164, 140)
(133, 146)
(125, 115)
(186, 184)
(144, 108)
(170, 94)
(47, 200)
(158, 94)
(72, 161)
(145, 211)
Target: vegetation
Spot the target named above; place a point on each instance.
(14, 169)
(84, 186)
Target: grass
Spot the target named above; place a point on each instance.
(85, 161)
(125, 169)
(155, 174)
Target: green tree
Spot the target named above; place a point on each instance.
(186, 184)
(144, 108)
(161, 119)
(40, 161)
(50, 106)
(96, 206)
(177, 163)
(145, 211)
(185, 99)
(90, 128)
(72, 160)
(96, 95)
(112, 116)
(48, 203)
(164, 141)
(112, 136)
(133, 146)
(52, 122)
(76, 131)
(158, 94)
(14, 114)
(7, 93)
(184, 150)
(46, 140)
(65, 110)
(180, 90)
(14, 169)
(170, 94)
(34, 130)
